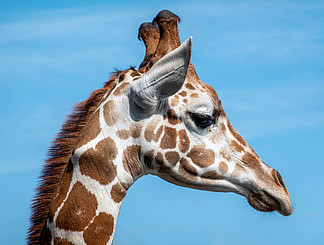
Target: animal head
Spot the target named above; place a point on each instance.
(180, 125)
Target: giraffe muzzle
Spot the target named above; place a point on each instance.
(263, 202)
(271, 199)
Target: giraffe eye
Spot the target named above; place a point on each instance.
(201, 120)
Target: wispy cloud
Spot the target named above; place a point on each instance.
(13, 167)
(280, 30)
(281, 109)
(70, 40)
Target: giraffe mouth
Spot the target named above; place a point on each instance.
(263, 202)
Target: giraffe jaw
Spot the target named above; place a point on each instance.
(265, 202)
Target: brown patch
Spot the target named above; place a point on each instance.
(149, 131)
(184, 141)
(78, 210)
(238, 170)
(173, 117)
(98, 163)
(201, 156)
(131, 160)
(158, 133)
(90, 132)
(110, 114)
(148, 158)
(211, 175)
(175, 100)
(225, 155)
(118, 192)
(183, 93)
(164, 170)
(194, 95)
(222, 127)
(185, 100)
(46, 236)
(62, 190)
(135, 74)
(236, 146)
(250, 160)
(100, 230)
(123, 134)
(159, 158)
(136, 130)
(189, 86)
(236, 134)
(121, 89)
(169, 139)
(223, 167)
(61, 241)
(173, 157)
(213, 94)
(186, 169)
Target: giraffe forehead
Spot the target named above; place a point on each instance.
(199, 103)
(196, 95)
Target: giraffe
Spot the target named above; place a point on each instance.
(160, 119)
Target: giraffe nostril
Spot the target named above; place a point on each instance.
(278, 178)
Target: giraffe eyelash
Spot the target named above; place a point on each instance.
(202, 120)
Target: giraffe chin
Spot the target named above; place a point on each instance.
(263, 202)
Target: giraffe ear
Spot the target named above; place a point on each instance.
(164, 79)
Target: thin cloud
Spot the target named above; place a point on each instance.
(281, 109)
(268, 31)
(47, 25)
(12, 167)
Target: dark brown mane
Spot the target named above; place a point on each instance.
(59, 154)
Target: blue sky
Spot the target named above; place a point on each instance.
(264, 59)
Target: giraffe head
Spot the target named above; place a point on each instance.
(161, 120)
(187, 138)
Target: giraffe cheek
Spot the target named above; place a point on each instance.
(184, 141)
(201, 156)
(223, 167)
(150, 133)
(172, 157)
(169, 139)
(148, 159)
(159, 159)
(172, 117)
(186, 170)
(212, 175)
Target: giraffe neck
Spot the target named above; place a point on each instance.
(104, 164)
(88, 214)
